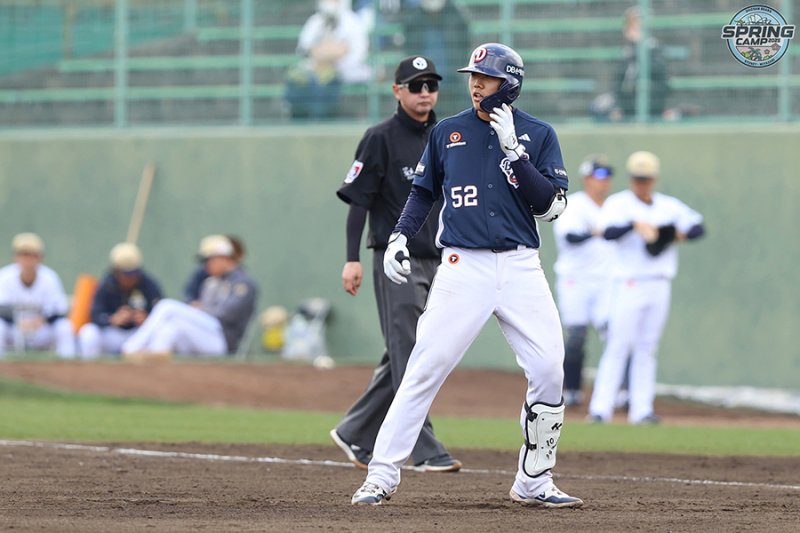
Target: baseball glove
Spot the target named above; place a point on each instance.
(666, 234)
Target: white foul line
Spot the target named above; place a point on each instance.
(311, 462)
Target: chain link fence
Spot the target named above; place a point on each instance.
(261, 62)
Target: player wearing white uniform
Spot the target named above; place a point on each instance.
(645, 227)
(498, 170)
(213, 327)
(33, 304)
(583, 270)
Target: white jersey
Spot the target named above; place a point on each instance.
(46, 296)
(589, 259)
(631, 260)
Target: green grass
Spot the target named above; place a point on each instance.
(31, 412)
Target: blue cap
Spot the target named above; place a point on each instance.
(596, 167)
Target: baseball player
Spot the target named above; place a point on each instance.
(124, 298)
(191, 290)
(378, 184)
(212, 327)
(33, 304)
(583, 270)
(499, 170)
(645, 227)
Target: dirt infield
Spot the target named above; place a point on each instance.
(48, 488)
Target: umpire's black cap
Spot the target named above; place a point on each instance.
(414, 67)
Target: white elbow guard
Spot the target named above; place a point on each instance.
(557, 206)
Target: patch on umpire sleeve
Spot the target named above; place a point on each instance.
(453, 259)
(354, 171)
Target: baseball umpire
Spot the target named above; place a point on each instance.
(378, 184)
(499, 170)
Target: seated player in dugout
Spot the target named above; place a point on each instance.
(125, 297)
(191, 291)
(33, 303)
(214, 326)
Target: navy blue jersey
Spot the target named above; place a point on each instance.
(463, 163)
(110, 297)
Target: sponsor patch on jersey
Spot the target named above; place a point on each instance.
(455, 140)
(453, 259)
(560, 171)
(354, 171)
(505, 166)
(420, 170)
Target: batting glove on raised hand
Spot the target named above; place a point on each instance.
(503, 123)
(396, 260)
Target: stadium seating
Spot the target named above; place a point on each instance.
(189, 73)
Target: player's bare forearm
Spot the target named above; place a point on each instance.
(352, 276)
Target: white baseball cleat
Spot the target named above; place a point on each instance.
(551, 497)
(371, 494)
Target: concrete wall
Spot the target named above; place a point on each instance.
(735, 301)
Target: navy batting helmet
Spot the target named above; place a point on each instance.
(499, 61)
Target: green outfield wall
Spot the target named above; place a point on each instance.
(736, 305)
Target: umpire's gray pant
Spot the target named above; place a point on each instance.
(399, 308)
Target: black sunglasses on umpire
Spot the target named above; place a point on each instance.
(416, 86)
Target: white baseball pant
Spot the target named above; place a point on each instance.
(469, 287)
(176, 327)
(583, 301)
(57, 335)
(94, 340)
(638, 315)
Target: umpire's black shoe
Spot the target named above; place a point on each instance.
(357, 455)
(440, 463)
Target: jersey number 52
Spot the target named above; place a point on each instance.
(464, 196)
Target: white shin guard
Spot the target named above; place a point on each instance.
(542, 430)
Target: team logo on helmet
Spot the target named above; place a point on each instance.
(515, 70)
(479, 55)
(453, 259)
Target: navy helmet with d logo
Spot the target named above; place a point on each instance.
(499, 61)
